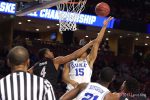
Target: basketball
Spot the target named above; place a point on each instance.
(102, 9)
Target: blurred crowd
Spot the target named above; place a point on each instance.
(134, 10)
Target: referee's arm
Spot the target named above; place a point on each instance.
(49, 92)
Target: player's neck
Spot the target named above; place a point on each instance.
(19, 68)
(104, 84)
(80, 59)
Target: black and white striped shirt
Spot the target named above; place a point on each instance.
(25, 86)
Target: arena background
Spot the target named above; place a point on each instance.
(125, 47)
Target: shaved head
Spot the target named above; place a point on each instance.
(18, 56)
(106, 74)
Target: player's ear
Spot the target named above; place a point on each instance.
(123, 87)
(114, 77)
(8, 63)
(27, 63)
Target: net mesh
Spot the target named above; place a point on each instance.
(68, 13)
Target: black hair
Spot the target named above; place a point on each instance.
(18, 55)
(106, 75)
(42, 52)
(132, 85)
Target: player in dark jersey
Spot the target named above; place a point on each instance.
(47, 66)
(130, 90)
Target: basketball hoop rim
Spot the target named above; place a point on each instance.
(66, 20)
(70, 2)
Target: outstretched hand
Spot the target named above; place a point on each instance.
(106, 21)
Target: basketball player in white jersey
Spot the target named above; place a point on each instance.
(80, 70)
(93, 91)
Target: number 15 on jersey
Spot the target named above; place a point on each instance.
(79, 71)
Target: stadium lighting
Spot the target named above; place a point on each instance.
(147, 37)
(108, 31)
(37, 29)
(107, 39)
(136, 39)
(121, 36)
(29, 20)
(48, 26)
(19, 23)
(129, 34)
(146, 44)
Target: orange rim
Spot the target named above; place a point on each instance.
(71, 2)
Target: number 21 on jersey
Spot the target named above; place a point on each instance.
(90, 96)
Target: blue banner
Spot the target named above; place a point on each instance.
(85, 19)
(6, 7)
(148, 28)
(51, 14)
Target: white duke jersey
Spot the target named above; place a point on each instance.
(93, 91)
(80, 72)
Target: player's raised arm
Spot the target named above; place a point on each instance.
(30, 70)
(93, 54)
(66, 77)
(74, 55)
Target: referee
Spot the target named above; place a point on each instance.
(20, 85)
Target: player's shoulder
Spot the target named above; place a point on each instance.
(91, 84)
(42, 62)
(100, 86)
(84, 60)
(112, 96)
(72, 62)
(95, 83)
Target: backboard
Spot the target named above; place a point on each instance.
(25, 7)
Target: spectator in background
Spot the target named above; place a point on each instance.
(83, 41)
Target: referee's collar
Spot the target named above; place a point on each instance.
(19, 71)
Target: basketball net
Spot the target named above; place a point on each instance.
(68, 13)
